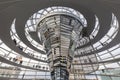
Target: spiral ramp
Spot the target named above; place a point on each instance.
(22, 52)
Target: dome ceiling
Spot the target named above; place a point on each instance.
(99, 45)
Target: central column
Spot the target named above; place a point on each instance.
(59, 54)
(59, 34)
(60, 73)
